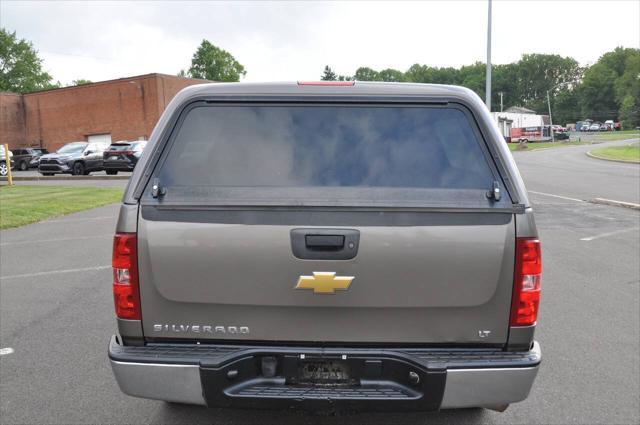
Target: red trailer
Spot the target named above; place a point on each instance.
(531, 134)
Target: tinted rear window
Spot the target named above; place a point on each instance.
(326, 147)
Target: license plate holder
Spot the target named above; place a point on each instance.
(324, 372)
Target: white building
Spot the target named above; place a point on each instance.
(517, 117)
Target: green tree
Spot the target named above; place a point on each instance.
(80, 82)
(473, 77)
(20, 67)
(597, 93)
(629, 113)
(616, 60)
(328, 74)
(608, 84)
(425, 74)
(538, 73)
(629, 81)
(627, 89)
(565, 107)
(418, 74)
(504, 81)
(366, 74)
(391, 75)
(213, 63)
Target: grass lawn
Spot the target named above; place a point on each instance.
(20, 205)
(625, 153)
(531, 146)
(609, 135)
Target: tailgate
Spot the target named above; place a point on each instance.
(446, 279)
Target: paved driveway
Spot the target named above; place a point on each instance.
(56, 313)
(569, 172)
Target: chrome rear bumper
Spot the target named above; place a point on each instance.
(205, 376)
(169, 382)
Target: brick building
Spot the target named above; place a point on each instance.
(123, 109)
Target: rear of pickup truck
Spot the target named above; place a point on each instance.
(356, 245)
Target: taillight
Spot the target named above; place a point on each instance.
(126, 295)
(526, 282)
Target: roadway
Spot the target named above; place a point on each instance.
(569, 172)
(56, 314)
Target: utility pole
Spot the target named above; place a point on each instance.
(488, 87)
(553, 139)
(501, 93)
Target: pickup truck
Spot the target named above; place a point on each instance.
(326, 245)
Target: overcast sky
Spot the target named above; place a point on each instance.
(295, 40)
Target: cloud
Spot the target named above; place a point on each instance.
(294, 40)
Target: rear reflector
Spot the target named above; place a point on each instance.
(526, 282)
(326, 83)
(126, 294)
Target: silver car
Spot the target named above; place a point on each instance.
(4, 168)
(594, 127)
(77, 158)
(326, 246)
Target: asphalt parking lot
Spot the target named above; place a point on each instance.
(68, 180)
(56, 314)
(34, 173)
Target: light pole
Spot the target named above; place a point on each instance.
(488, 86)
(553, 139)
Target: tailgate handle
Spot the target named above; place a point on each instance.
(325, 244)
(324, 241)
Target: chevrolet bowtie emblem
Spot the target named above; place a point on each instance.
(324, 282)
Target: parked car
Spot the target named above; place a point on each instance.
(558, 129)
(4, 170)
(26, 158)
(610, 123)
(386, 260)
(78, 158)
(36, 160)
(123, 156)
(594, 127)
(584, 127)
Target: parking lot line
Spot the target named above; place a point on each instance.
(557, 196)
(604, 235)
(605, 201)
(85, 269)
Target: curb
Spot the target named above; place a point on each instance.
(611, 202)
(623, 161)
(555, 147)
(552, 147)
(51, 178)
